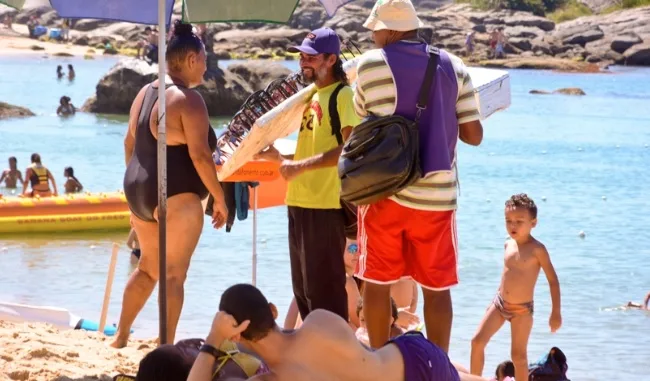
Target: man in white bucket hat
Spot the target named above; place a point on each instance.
(413, 233)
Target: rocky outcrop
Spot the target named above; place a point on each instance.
(564, 91)
(620, 37)
(10, 111)
(543, 63)
(258, 74)
(224, 91)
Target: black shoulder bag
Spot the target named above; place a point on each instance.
(382, 156)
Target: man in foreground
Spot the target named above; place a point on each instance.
(316, 219)
(413, 233)
(324, 348)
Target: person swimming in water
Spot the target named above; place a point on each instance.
(324, 348)
(12, 175)
(190, 177)
(71, 73)
(72, 184)
(639, 306)
(59, 72)
(65, 107)
(39, 177)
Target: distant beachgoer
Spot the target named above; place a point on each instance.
(72, 185)
(8, 21)
(65, 30)
(31, 25)
(151, 50)
(469, 44)
(59, 72)
(65, 107)
(39, 177)
(494, 36)
(324, 348)
(12, 175)
(143, 43)
(501, 42)
(71, 73)
(523, 259)
(133, 244)
(640, 306)
(190, 178)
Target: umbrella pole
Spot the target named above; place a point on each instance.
(162, 175)
(254, 236)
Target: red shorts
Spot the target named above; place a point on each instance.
(397, 242)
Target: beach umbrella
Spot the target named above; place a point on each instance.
(160, 12)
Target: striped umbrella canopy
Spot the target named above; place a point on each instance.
(160, 12)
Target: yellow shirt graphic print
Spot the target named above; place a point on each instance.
(320, 188)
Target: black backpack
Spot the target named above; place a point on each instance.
(349, 210)
(551, 367)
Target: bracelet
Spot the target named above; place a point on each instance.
(209, 349)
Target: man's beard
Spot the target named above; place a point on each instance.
(308, 78)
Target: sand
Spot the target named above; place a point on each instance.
(40, 352)
(16, 42)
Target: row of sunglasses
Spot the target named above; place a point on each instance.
(262, 101)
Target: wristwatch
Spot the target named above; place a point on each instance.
(209, 349)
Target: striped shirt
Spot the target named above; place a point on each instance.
(376, 93)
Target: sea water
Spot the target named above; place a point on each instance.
(583, 159)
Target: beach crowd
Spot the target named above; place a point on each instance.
(355, 271)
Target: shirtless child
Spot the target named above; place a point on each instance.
(324, 348)
(524, 257)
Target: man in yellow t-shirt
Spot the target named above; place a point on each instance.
(316, 220)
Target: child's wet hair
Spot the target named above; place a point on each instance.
(522, 201)
(505, 369)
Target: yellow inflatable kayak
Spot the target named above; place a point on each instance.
(75, 212)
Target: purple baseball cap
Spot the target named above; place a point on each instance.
(319, 41)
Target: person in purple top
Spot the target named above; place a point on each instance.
(413, 234)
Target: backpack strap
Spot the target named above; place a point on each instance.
(335, 119)
(429, 80)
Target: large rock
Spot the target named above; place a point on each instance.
(545, 63)
(10, 111)
(623, 42)
(224, 91)
(524, 32)
(527, 19)
(578, 34)
(258, 74)
(638, 55)
(522, 44)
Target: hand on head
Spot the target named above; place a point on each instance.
(224, 326)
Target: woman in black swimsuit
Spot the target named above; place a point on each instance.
(191, 175)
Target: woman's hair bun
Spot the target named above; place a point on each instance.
(182, 29)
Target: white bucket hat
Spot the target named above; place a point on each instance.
(398, 15)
